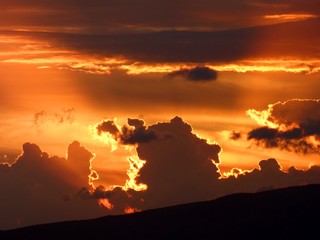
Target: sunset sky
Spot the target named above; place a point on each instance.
(112, 107)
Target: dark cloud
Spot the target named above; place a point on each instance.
(184, 168)
(179, 167)
(39, 188)
(297, 128)
(108, 126)
(200, 47)
(138, 134)
(234, 135)
(197, 74)
(145, 15)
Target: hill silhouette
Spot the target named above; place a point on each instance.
(283, 213)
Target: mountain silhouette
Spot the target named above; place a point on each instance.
(291, 212)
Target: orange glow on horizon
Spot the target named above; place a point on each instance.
(129, 210)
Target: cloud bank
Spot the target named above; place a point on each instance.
(39, 188)
(181, 167)
(173, 166)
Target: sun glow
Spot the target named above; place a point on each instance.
(105, 203)
(135, 164)
(290, 17)
(104, 137)
(262, 117)
(234, 172)
(129, 210)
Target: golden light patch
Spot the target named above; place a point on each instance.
(105, 137)
(105, 203)
(290, 17)
(129, 210)
(135, 164)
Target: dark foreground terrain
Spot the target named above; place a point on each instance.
(285, 213)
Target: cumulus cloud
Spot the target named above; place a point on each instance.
(39, 188)
(292, 125)
(181, 167)
(197, 74)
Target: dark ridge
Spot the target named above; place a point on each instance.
(283, 213)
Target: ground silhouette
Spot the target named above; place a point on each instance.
(283, 213)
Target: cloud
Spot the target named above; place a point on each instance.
(197, 47)
(179, 167)
(42, 117)
(108, 126)
(138, 134)
(292, 125)
(197, 74)
(147, 16)
(234, 135)
(39, 188)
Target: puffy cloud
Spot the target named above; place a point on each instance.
(39, 188)
(127, 135)
(292, 125)
(181, 167)
(108, 126)
(269, 175)
(197, 74)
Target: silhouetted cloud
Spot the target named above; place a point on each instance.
(234, 135)
(108, 126)
(180, 167)
(197, 47)
(144, 15)
(292, 125)
(38, 183)
(197, 74)
(127, 135)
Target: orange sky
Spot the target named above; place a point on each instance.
(66, 67)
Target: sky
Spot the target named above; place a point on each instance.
(111, 107)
